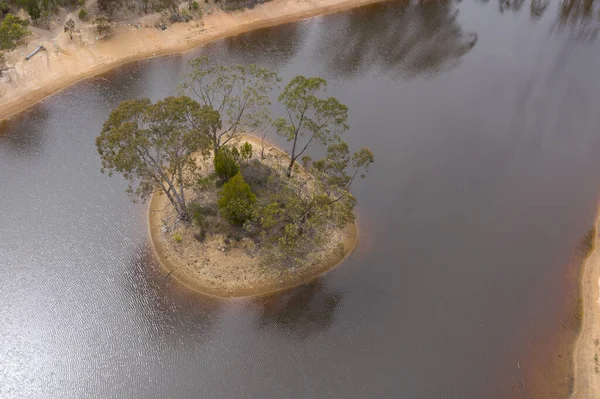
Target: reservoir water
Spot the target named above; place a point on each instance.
(483, 117)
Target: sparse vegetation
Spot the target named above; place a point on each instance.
(239, 5)
(83, 14)
(178, 238)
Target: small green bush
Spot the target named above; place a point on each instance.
(236, 153)
(246, 151)
(236, 200)
(83, 14)
(178, 238)
(225, 165)
(195, 5)
(4, 8)
(33, 9)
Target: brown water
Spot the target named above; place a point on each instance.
(485, 129)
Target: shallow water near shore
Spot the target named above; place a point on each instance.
(485, 129)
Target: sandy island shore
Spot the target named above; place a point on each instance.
(205, 268)
(69, 61)
(586, 353)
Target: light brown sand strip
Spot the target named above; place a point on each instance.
(586, 353)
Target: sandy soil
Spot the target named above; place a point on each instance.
(234, 269)
(586, 354)
(68, 61)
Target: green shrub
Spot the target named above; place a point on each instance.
(33, 9)
(235, 153)
(195, 5)
(178, 238)
(246, 151)
(83, 14)
(103, 26)
(4, 8)
(225, 165)
(12, 29)
(236, 200)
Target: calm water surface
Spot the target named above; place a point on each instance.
(484, 121)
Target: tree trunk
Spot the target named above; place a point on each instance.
(289, 171)
(182, 212)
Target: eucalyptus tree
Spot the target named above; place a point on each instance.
(239, 93)
(153, 146)
(310, 120)
(297, 216)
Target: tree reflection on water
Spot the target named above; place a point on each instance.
(302, 311)
(580, 18)
(401, 41)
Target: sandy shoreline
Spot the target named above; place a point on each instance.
(66, 62)
(586, 353)
(183, 272)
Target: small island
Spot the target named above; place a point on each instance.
(230, 214)
(216, 257)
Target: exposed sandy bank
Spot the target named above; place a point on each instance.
(586, 354)
(236, 272)
(68, 61)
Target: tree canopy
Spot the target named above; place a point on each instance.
(152, 145)
(239, 93)
(297, 215)
(310, 120)
(12, 29)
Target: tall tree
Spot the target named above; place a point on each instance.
(240, 94)
(152, 145)
(296, 217)
(310, 120)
